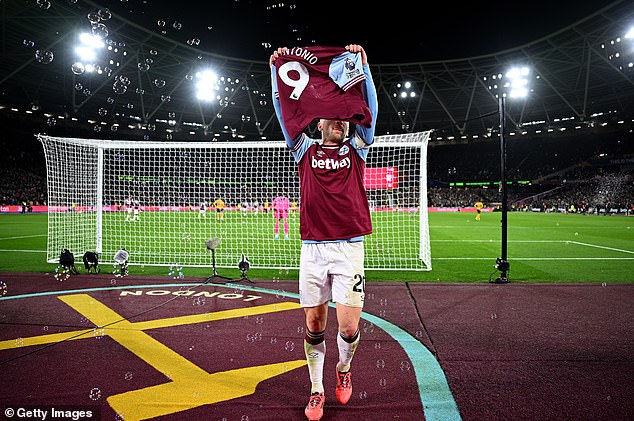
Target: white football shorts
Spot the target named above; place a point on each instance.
(332, 271)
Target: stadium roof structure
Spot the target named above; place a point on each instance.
(141, 84)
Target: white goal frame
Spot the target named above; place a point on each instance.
(89, 180)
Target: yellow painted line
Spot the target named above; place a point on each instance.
(45, 339)
(151, 324)
(218, 315)
(138, 342)
(195, 391)
(189, 386)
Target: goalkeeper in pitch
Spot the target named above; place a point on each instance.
(334, 218)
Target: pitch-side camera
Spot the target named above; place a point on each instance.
(501, 265)
(91, 261)
(121, 258)
(244, 265)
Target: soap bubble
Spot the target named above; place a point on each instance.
(44, 56)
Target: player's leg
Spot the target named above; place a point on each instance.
(286, 227)
(315, 350)
(314, 294)
(315, 344)
(277, 227)
(348, 338)
(347, 343)
(349, 294)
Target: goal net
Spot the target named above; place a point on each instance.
(158, 201)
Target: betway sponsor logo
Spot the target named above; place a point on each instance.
(329, 163)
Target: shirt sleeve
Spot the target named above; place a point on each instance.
(346, 70)
(364, 136)
(290, 142)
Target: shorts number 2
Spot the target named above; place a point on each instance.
(360, 285)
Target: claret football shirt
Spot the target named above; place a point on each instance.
(320, 82)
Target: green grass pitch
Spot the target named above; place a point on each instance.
(541, 248)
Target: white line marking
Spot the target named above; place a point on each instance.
(23, 236)
(22, 251)
(602, 247)
(535, 258)
(498, 240)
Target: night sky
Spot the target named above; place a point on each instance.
(392, 33)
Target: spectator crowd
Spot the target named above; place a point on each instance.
(561, 175)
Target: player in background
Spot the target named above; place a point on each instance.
(128, 209)
(280, 213)
(244, 208)
(136, 211)
(334, 218)
(219, 204)
(478, 207)
(266, 206)
(202, 210)
(293, 208)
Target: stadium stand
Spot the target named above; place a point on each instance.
(590, 171)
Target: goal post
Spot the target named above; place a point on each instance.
(156, 200)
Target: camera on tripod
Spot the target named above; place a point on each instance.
(244, 264)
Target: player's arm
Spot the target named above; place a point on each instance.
(290, 142)
(364, 136)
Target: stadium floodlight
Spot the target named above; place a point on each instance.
(206, 85)
(513, 84)
(405, 90)
(90, 40)
(516, 83)
(89, 44)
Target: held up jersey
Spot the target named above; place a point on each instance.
(320, 82)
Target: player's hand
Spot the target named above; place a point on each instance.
(355, 48)
(276, 54)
